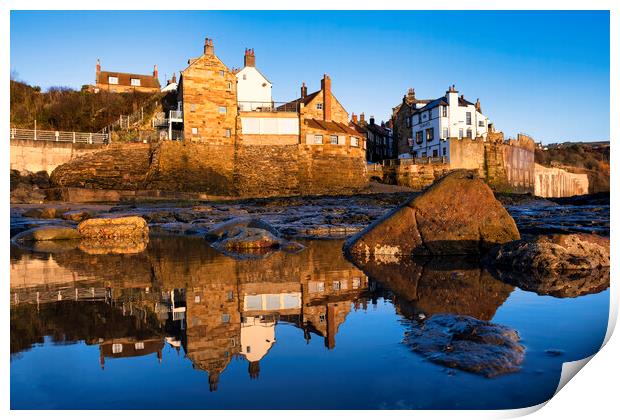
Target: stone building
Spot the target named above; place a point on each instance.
(113, 81)
(401, 122)
(379, 138)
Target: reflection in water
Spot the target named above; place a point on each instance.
(246, 320)
(185, 293)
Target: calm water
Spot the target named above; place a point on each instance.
(182, 326)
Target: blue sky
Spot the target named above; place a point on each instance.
(545, 73)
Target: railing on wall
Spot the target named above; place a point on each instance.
(59, 136)
(414, 161)
(252, 106)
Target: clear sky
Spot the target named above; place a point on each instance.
(541, 73)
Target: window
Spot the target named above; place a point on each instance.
(248, 349)
(222, 110)
(423, 154)
(318, 139)
(245, 77)
(320, 287)
(481, 123)
(445, 133)
(356, 282)
(418, 137)
(336, 285)
(355, 142)
(139, 346)
(117, 348)
(445, 152)
(230, 295)
(222, 73)
(333, 139)
(430, 134)
(197, 299)
(192, 107)
(225, 318)
(322, 318)
(113, 80)
(435, 153)
(444, 111)
(468, 118)
(469, 133)
(460, 133)
(415, 155)
(194, 130)
(229, 86)
(227, 133)
(319, 105)
(135, 82)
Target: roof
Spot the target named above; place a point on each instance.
(358, 127)
(124, 79)
(332, 126)
(305, 100)
(377, 129)
(441, 101)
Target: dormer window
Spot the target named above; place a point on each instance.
(113, 80)
(135, 82)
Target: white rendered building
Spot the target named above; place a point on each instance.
(253, 89)
(446, 119)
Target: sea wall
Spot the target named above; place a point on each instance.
(556, 182)
(40, 155)
(215, 170)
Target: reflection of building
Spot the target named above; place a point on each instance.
(129, 347)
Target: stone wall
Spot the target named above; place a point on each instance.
(35, 156)
(556, 182)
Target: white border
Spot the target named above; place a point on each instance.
(593, 395)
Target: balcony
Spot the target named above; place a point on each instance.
(250, 106)
(176, 116)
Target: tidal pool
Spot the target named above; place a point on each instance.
(183, 326)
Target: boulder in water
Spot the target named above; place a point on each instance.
(47, 233)
(114, 228)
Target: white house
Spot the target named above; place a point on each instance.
(446, 119)
(253, 89)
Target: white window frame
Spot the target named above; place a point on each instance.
(222, 108)
(194, 130)
(112, 80)
(139, 345)
(355, 142)
(333, 137)
(318, 139)
(117, 348)
(134, 82)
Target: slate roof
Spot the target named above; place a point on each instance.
(332, 126)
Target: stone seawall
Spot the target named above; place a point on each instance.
(39, 155)
(217, 170)
(556, 182)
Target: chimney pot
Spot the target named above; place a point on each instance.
(209, 46)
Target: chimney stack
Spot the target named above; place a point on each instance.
(209, 46)
(155, 72)
(249, 60)
(354, 118)
(362, 120)
(304, 90)
(326, 87)
(372, 120)
(174, 78)
(98, 66)
(478, 106)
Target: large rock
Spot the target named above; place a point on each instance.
(554, 253)
(114, 228)
(465, 343)
(457, 215)
(47, 233)
(76, 215)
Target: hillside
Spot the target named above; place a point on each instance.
(65, 109)
(588, 158)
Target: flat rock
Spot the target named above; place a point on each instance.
(554, 253)
(119, 227)
(457, 215)
(47, 233)
(41, 213)
(223, 229)
(76, 215)
(465, 343)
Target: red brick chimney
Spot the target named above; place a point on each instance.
(97, 71)
(326, 87)
(98, 66)
(249, 60)
(155, 72)
(209, 50)
(354, 118)
(304, 90)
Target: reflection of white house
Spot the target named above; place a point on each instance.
(272, 301)
(253, 89)
(258, 334)
(449, 118)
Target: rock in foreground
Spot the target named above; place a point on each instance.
(47, 233)
(248, 236)
(554, 253)
(457, 215)
(465, 343)
(114, 228)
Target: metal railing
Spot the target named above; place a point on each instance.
(252, 106)
(176, 115)
(414, 161)
(60, 136)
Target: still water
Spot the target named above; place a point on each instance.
(182, 326)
